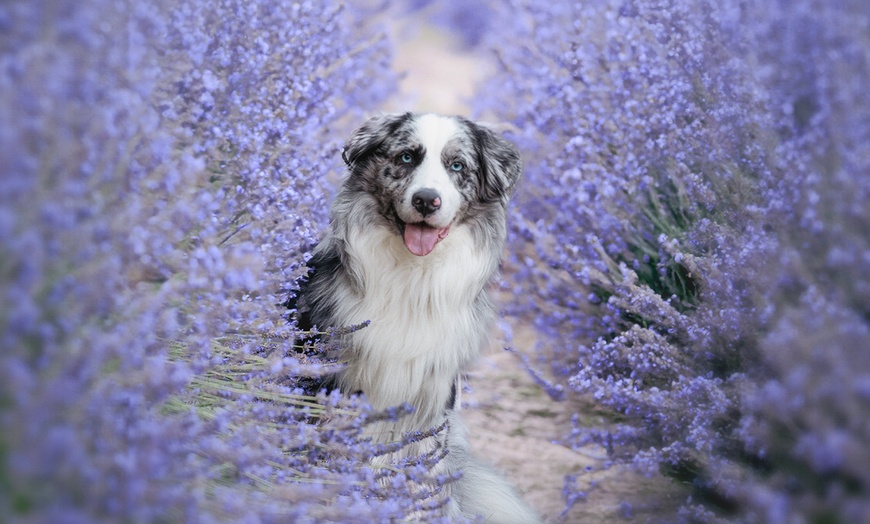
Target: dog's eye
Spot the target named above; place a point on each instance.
(406, 158)
(457, 166)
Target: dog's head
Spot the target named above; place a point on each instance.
(429, 172)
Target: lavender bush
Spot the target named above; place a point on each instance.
(471, 20)
(692, 233)
(164, 173)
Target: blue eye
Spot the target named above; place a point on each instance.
(406, 158)
(457, 166)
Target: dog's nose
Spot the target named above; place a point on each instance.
(426, 201)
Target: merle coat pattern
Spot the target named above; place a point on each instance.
(416, 235)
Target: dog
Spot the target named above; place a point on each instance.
(417, 231)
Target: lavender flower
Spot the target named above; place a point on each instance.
(692, 234)
(471, 20)
(164, 174)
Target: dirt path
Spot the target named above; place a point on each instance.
(438, 76)
(515, 425)
(512, 422)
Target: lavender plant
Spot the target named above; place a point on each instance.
(471, 20)
(692, 233)
(164, 173)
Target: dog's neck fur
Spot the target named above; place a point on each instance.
(417, 307)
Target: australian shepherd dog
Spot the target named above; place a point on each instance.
(416, 236)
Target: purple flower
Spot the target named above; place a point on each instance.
(165, 174)
(696, 198)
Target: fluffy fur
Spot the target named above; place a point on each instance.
(416, 235)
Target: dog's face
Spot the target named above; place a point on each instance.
(428, 172)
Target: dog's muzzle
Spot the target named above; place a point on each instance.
(420, 236)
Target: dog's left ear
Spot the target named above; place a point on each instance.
(499, 160)
(370, 136)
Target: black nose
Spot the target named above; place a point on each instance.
(426, 201)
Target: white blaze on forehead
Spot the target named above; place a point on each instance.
(434, 132)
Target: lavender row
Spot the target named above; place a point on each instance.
(692, 233)
(165, 172)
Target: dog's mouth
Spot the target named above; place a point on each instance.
(421, 238)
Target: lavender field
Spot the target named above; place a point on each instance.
(690, 244)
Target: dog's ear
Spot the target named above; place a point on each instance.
(370, 136)
(499, 160)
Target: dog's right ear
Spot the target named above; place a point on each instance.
(370, 136)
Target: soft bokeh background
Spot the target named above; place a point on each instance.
(685, 289)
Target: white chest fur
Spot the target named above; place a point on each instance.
(427, 321)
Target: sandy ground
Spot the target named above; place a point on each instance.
(512, 422)
(515, 425)
(437, 75)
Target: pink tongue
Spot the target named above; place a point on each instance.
(420, 239)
